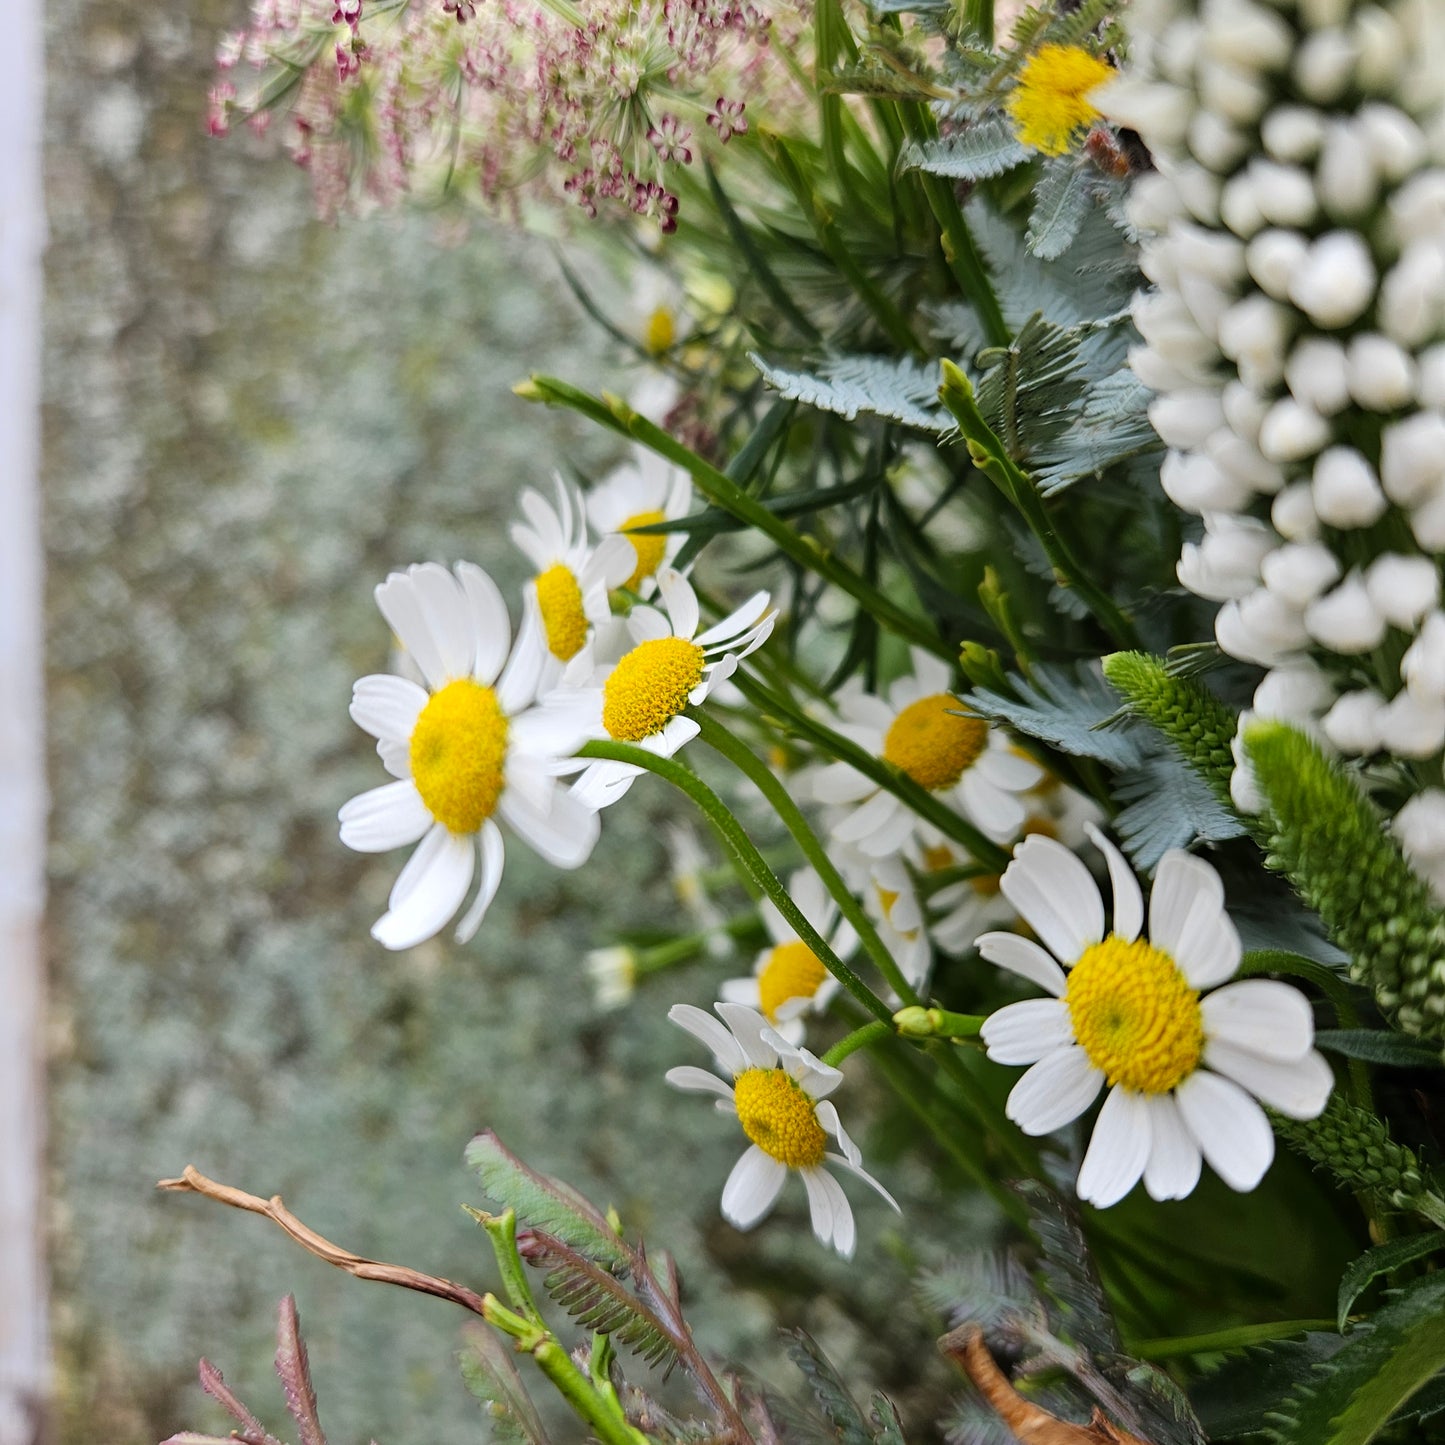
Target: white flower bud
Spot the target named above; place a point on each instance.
(1235, 94)
(1245, 35)
(1208, 252)
(1292, 432)
(1216, 144)
(1160, 374)
(1196, 484)
(1417, 209)
(1427, 523)
(1244, 410)
(1345, 176)
(1158, 110)
(1412, 458)
(1299, 571)
(1324, 65)
(1153, 203)
(1229, 451)
(1207, 302)
(1412, 293)
(1298, 692)
(1244, 790)
(1323, 14)
(1353, 723)
(1224, 565)
(1423, 665)
(1382, 375)
(1403, 588)
(1318, 375)
(1411, 727)
(1337, 281)
(1397, 145)
(1260, 628)
(1185, 418)
(1420, 827)
(1285, 195)
(1165, 323)
(1273, 256)
(1199, 190)
(1177, 48)
(1382, 50)
(1293, 132)
(1345, 490)
(1238, 207)
(1255, 334)
(1432, 376)
(1346, 621)
(1293, 513)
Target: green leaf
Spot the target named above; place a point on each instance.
(1233, 1399)
(545, 1203)
(1350, 1399)
(1381, 1260)
(900, 389)
(1061, 201)
(888, 1428)
(1067, 707)
(983, 148)
(489, 1374)
(1381, 1046)
(1067, 1268)
(1168, 806)
(829, 1391)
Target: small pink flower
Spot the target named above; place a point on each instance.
(348, 59)
(347, 12)
(460, 10)
(669, 139)
(218, 115)
(726, 118)
(651, 200)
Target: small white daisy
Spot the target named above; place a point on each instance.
(671, 665)
(927, 733)
(466, 749)
(1181, 1069)
(789, 980)
(780, 1097)
(890, 898)
(573, 579)
(640, 493)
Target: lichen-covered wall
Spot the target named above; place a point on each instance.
(250, 418)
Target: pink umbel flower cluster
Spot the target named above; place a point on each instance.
(601, 106)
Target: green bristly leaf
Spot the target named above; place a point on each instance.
(900, 389)
(1384, 1258)
(1069, 708)
(1061, 201)
(984, 148)
(1379, 1046)
(488, 1372)
(829, 1391)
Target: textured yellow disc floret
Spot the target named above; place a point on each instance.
(1135, 1015)
(932, 743)
(649, 687)
(1049, 105)
(458, 749)
(560, 599)
(649, 547)
(792, 971)
(779, 1117)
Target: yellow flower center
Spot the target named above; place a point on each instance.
(932, 743)
(1135, 1015)
(779, 1117)
(649, 687)
(458, 749)
(1049, 105)
(660, 332)
(792, 971)
(560, 600)
(649, 547)
(887, 897)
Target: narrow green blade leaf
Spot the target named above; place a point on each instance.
(1381, 1260)
(488, 1372)
(1380, 1046)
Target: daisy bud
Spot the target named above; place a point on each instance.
(1225, 564)
(1156, 109)
(1260, 628)
(1273, 256)
(1318, 375)
(1404, 589)
(1215, 143)
(1346, 621)
(1417, 209)
(1293, 513)
(1427, 523)
(1185, 418)
(1292, 432)
(1255, 334)
(1423, 666)
(1197, 484)
(1293, 132)
(1298, 692)
(1397, 145)
(1413, 727)
(1432, 376)
(1337, 281)
(1412, 458)
(1345, 491)
(1382, 375)
(1345, 176)
(1411, 293)
(1353, 723)
(1381, 48)
(1299, 571)
(1245, 35)
(1324, 65)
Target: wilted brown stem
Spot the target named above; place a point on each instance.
(1030, 1424)
(192, 1181)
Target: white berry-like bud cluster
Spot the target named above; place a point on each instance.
(1294, 233)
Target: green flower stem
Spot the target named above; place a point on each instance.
(937, 1023)
(789, 814)
(991, 457)
(920, 800)
(720, 489)
(741, 847)
(1232, 1339)
(680, 950)
(860, 1038)
(606, 1419)
(502, 1232)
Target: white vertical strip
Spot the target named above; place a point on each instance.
(22, 779)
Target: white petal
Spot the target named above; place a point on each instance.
(832, 1214)
(400, 604)
(1118, 1150)
(737, 622)
(1054, 1092)
(494, 855)
(1260, 1014)
(890, 835)
(387, 817)
(491, 626)
(603, 783)
(680, 601)
(647, 624)
(1228, 1126)
(866, 819)
(1056, 895)
(748, 1027)
(991, 808)
(839, 783)
(1174, 1158)
(1187, 919)
(865, 1176)
(810, 1073)
(1024, 957)
(1298, 1088)
(517, 685)
(387, 706)
(1128, 900)
(752, 1188)
(827, 1113)
(740, 990)
(705, 1028)
(1007, 769)
(1022, 1033)
(693, 1080)
(445, 607)
(428, 891)
(676, 734)
(564, 834)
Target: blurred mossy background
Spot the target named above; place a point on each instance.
(249, 419)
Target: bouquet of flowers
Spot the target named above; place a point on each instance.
(1038, 505)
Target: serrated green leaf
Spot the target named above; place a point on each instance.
(982, 148)
(1168, 806)
(1381, 1046)
(1381, 1260)
(829, 1390)
(1233, 1399)
(888, 1428)
(489, 1374)
(545, 1203)
(1067, 707)
(1080, 1308)
(901, 389)
(1062, 199)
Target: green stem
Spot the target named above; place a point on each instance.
(502, 1232)
(1232, 1339)
(934, 1023)
(860, 1038)
(574, 1387)
(741, 847)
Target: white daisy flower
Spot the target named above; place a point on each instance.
(890, 898)
(573, 579)
(613, 972)
(789, 980)
(670, 667)
(466, 749)
(1180, 1069)
(927, 733)
(640, 493)
(780, 1097)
